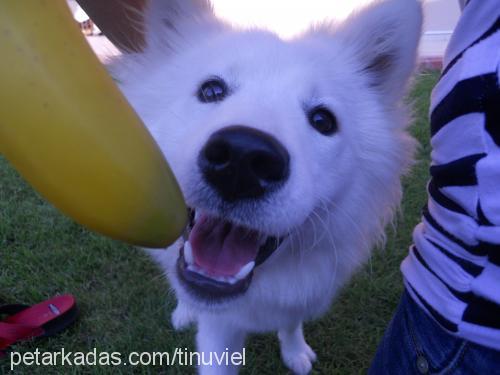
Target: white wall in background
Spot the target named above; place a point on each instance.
(289, 17)
(440, 18)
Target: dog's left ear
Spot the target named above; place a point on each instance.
(385, 36)
(174, 24)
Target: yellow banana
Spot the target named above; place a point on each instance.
(69, 131)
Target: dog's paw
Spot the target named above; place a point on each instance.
(297, 355)
(310, 353)
(299, 360)
(182, 317)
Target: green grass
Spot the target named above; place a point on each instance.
(124, 302)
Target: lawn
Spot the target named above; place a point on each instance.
(124, 300)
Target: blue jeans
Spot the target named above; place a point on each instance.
(415, 344)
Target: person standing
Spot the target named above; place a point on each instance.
(448, 320)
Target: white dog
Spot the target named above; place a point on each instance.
(289, 154)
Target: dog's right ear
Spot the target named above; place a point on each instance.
(170, 24)
(384, 37)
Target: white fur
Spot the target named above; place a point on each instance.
(342, 189)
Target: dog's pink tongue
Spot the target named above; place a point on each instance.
(220, 248)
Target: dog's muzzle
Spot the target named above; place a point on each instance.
(241, 165)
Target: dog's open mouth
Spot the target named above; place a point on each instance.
(218, 257)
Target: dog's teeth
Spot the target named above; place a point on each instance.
(245, 270)
(231, 280)
(197, 270)
(188, 253)
(200, 271)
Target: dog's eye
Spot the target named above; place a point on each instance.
(213, 90)
(323, 121)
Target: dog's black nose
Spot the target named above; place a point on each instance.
(241, 162)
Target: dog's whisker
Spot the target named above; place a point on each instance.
(326, 230)
(346, 215)
(317, 239)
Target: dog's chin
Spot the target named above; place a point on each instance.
(216, 263)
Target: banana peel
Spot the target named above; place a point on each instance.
(69, 131)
